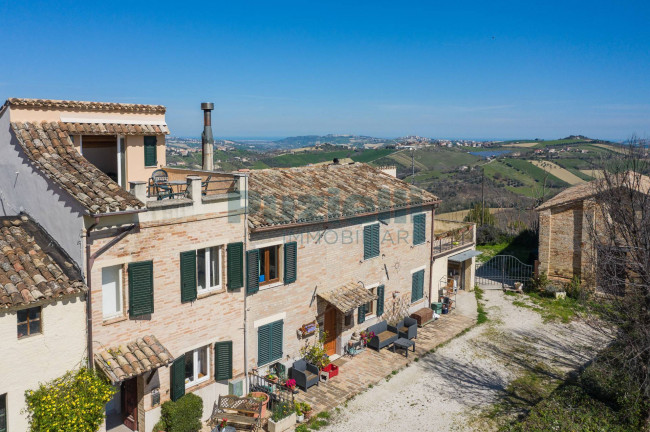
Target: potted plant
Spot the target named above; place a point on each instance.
(366, 336)
(273, 378)
(223, 423)
(262, 397)
(283, 417)
(291, 384)
(305, 409)
(316, 353)
(300, 416)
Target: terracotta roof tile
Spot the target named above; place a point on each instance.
(29, 274)
(587, 190)
(53, 153)
(317, 193)
(85, 106)
(112, 129)
(348, 297)
(135, 358)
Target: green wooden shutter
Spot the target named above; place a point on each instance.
(361, 314)
(252, 271)
(380, 300)
(419, 228)
(417, 287)
(150, 157)
(235, 252)
(290, 262)
(223, 360)
(188, 276)
(140, 288)
(264, 344)
(277, 340)
(370, 241)
(3, 413)
(178, 378)
(375, 240)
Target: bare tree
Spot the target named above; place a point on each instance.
(618, 257)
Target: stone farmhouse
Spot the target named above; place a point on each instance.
(192, 283)
(566, 244)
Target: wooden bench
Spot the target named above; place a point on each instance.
(241, 413)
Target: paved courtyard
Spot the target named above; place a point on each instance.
(357, 373)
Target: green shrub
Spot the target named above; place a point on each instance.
(539, 283)
(574, 288)
(74, 402)
(184, 415)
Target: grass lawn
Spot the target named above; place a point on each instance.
(550, 308)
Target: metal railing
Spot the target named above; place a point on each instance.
(277, 392)
(175, 189)
(450, 242)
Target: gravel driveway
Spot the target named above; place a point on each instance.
(447, 389)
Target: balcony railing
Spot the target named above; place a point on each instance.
(176, 185)
(450, 235)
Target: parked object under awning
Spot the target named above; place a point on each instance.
(464, 256)
(348, 297)
(135, 358)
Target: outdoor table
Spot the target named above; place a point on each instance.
(177, 183)
(403, 343)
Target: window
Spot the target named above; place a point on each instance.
(348, 319)
(269, 342)
(196, 366)
(3, 413)
(419, 228)
(269, 265)
(112, 291)
(140, 288)
(369, 308)
(417, 287)
(370, 241)
(208, 269)
(29, 322)
(150, 156)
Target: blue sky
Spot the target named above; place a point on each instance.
(472, 69)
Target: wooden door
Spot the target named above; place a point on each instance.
(130, 403)
(329, 326)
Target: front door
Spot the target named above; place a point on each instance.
(130, 403)
(330, 331)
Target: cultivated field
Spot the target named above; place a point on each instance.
(595, 173)
(558, 172)
(611, 147)
(460, 215)
(526, 144)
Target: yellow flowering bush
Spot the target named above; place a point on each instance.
(74, 403)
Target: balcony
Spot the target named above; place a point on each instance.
(449, 236)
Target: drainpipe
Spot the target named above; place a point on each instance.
(431, 260)
(90, 260)
(244, 288)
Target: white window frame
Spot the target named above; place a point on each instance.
(374, 302)
(195, 359)
(208, 252)
(280, 264)
(120, 294)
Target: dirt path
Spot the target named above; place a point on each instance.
(448, 389)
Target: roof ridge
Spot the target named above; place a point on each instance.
(84, 105)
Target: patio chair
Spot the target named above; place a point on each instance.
(384, 336)
(407, 328)
(305, 374)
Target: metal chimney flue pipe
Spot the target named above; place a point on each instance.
(206, 137)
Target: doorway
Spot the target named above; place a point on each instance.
(129, 393)
(329, 326)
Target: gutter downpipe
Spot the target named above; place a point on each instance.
(244, 288)
(90, 260)
(431, 259)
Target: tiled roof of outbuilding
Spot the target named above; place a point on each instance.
(587, 190)
(135, 358)
(28, 271)
(84, 106)
(113, 129)
(283, 196)
(53, 153)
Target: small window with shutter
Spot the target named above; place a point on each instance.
(419, 228)
(370, 241)
(270, 342)
(223, 360)
(417, 286)
(150, 156)
(140, 288)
